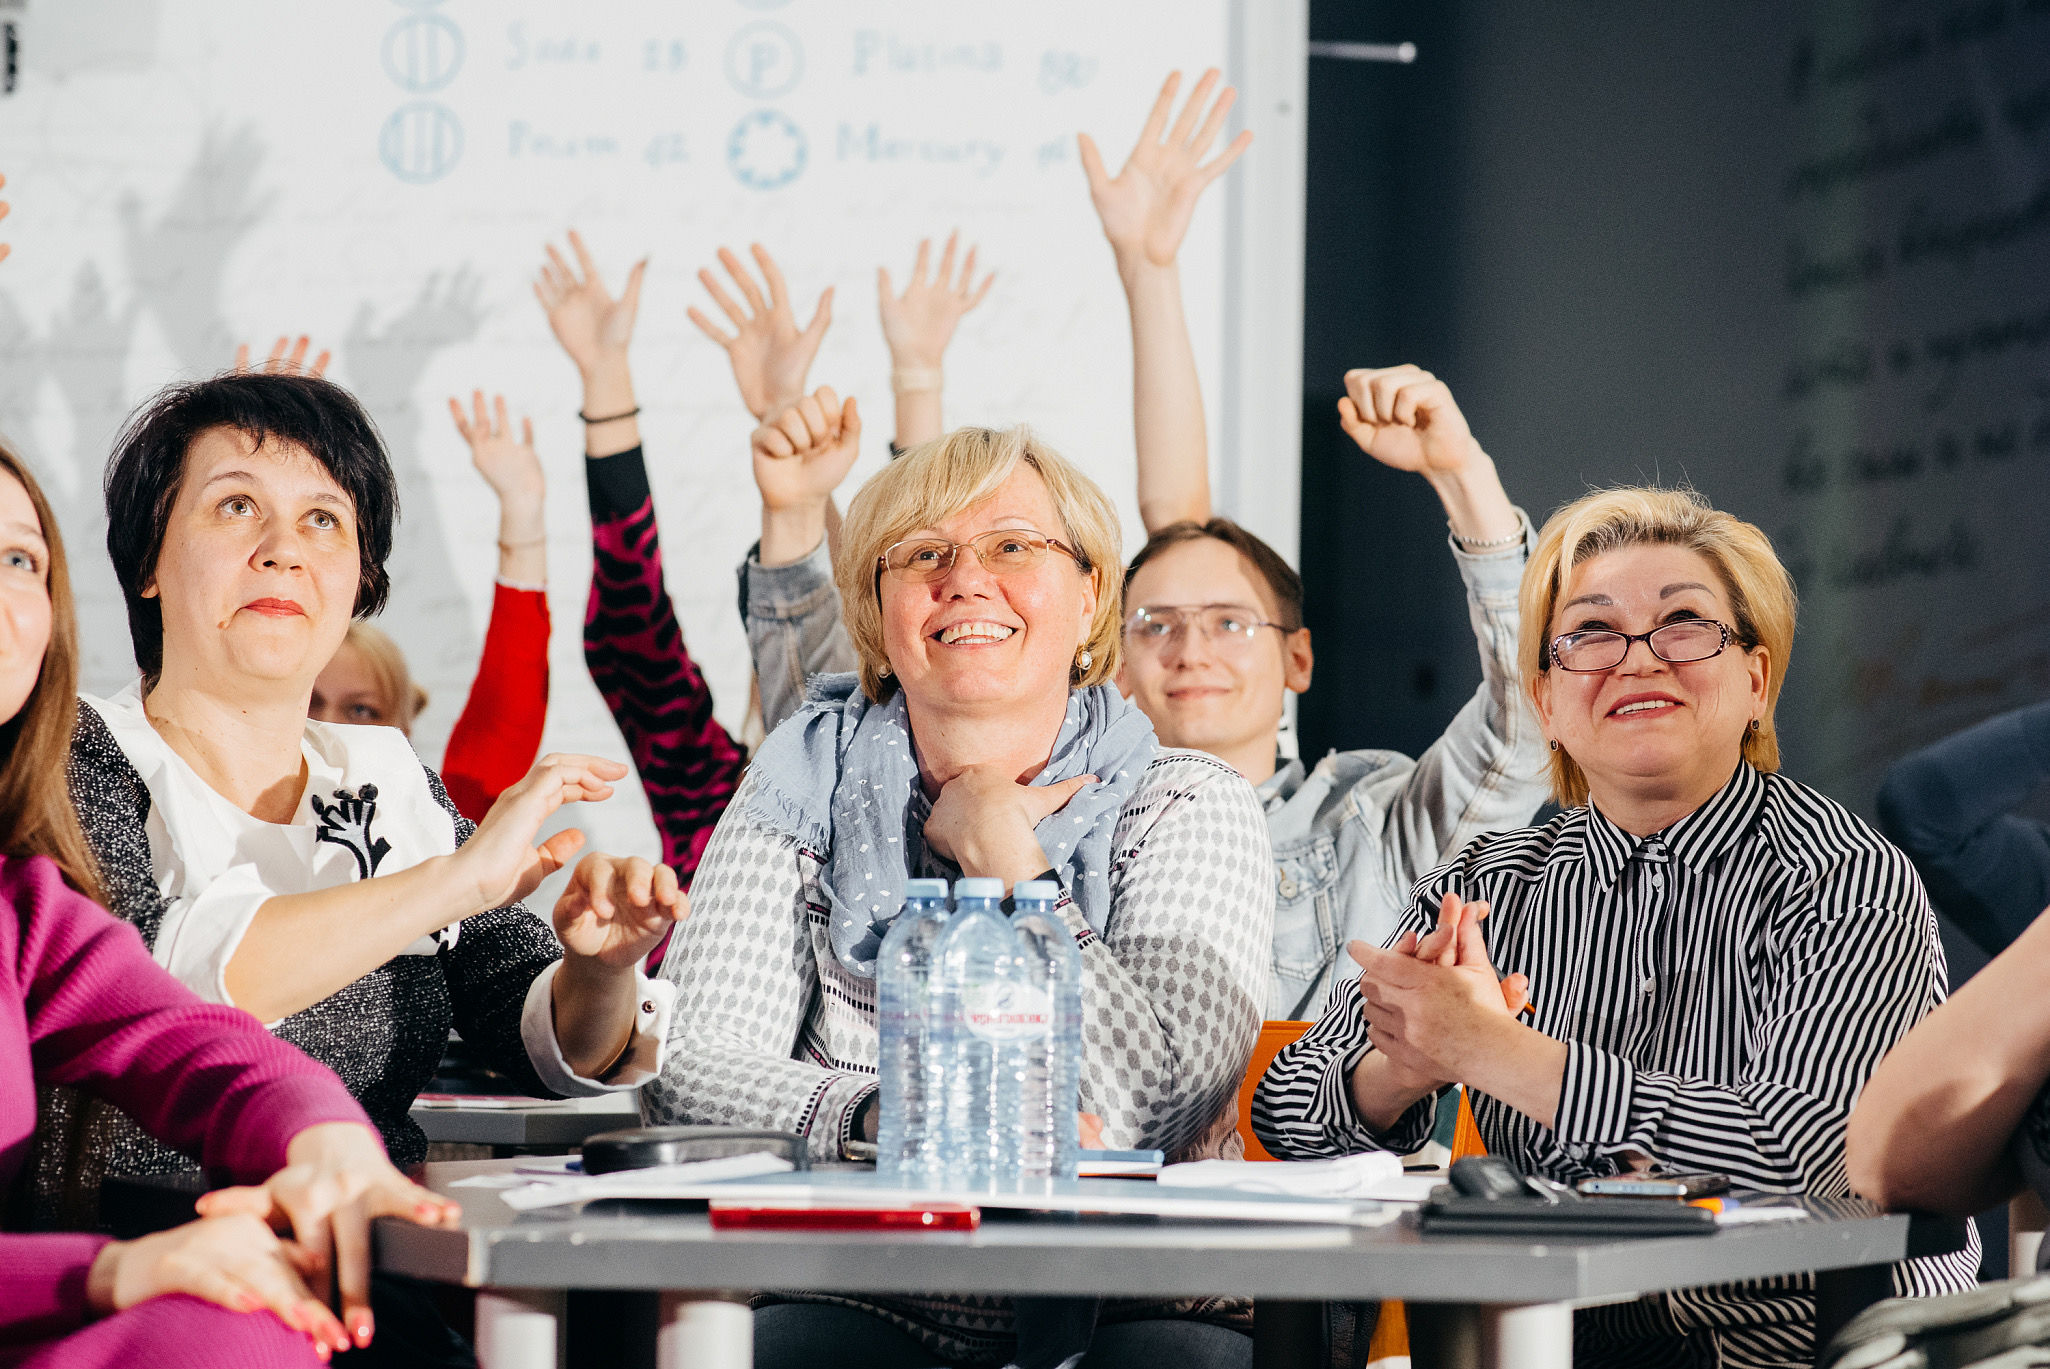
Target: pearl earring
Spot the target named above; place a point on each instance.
(1083, 659)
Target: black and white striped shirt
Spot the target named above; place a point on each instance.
(1723, 987)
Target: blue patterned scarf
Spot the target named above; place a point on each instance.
(841, 776)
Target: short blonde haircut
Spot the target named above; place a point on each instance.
(937, 480)
(1760, 590)
(403, 699)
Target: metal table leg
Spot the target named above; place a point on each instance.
(519, 1328)
(704, 1331)
(1470, 1336)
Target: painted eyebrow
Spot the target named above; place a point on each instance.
(324, 497)
(1604, 601)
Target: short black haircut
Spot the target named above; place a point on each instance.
(148, 467)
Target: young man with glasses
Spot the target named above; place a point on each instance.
(1215, 642)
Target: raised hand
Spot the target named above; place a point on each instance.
(282, 362)
(501, 857)
(592, 325)
(1146, 207)
(770, 357)
(803, 453)
(919, 323)
(618, 908)
(1404, 417)
(507, 461)
(336, 1179)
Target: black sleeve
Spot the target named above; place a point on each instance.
(495, 960)
(1949, 807)
(113, 807)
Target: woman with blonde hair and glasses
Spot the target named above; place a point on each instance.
(981, 737)
(1705, 959)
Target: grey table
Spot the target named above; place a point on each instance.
(561, 1124)
(1481, 1300)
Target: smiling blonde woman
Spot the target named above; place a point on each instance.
(1712, 957)
(979, 738)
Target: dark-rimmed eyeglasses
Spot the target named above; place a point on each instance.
(1599, 649)
(1005, 551)
(1225, 626)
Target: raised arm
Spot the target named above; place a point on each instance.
(1487, 772)
(1951, 805)
(769, 354)
(788, 600)
(499, 732)
(1145, 210)
(594, 328)
(633, 641)
(1933, 1127)
(918, 325)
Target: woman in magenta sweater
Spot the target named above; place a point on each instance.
(82, 1004)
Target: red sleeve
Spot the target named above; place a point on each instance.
(495, 741)
(42, 1285)
(103, 1016)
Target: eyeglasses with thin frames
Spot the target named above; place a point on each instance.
(1003, 551)
(1227, 627)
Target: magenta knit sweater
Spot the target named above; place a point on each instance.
(82, 1003)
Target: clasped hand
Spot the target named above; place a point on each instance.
(986, 822)
(1434, 1004)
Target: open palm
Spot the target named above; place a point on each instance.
(769, 353)
(1146, 207)
(589, 322)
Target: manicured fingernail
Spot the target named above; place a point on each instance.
(362, 1330)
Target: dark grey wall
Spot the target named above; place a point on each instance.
(1798, 255)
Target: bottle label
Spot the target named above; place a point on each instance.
(1007, 1012)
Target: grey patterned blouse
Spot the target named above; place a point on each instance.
(771, 1031)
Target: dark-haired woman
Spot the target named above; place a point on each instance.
(313, 874)
(82, 1004)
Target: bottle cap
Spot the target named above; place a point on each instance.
(978, 888)
(925, 888)
(1042, 890)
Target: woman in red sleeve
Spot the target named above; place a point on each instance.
(495, 741)
(83, 1004)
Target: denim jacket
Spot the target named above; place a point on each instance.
(1351, 837)
(794, 628)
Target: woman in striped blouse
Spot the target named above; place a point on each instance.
(1711, 957)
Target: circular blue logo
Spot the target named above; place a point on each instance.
(423, 52)
(764, 60)
(421, 142)
(766, 150)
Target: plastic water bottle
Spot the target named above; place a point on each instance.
(1051, 1090)
(976, 967)
(907, 1068)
